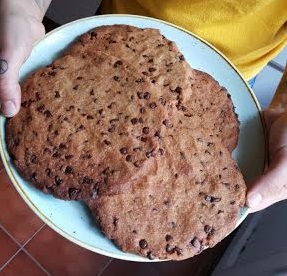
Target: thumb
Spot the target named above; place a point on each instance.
(10, 92)
(17, 34)
(271, 187)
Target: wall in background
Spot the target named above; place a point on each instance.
(63, 11)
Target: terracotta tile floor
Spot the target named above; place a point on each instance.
(28, 247)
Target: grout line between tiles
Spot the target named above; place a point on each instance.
(36, 262)
(13, 256)
(10, 259)
(18, 243)
(4, 229)
(22, 246)
(105, 266)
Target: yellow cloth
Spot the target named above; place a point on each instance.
(248, 32)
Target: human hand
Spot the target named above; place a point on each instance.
(271, 187)
(20, 27)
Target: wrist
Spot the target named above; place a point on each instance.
(31, 8)
(43, 5)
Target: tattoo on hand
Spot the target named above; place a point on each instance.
(3, 66)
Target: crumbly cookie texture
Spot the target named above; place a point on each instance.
(86, 127)
(123, 123)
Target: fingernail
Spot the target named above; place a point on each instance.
(253, 200)
(8, 108)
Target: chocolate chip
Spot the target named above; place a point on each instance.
(161, 151)
(207, 229)
(143, 244)
(115, 221)
(162, 101)
(146, 95)
(212, 199)
(181, 57)
(57, 94)
(173, 224)
(48, 172)
(58, 180)
(33, 159)
(86, 156)
(129, 158)
(118, 63)
(62, 146)
(73, 193)
(90, 117)
(140, 80)
(142, 110)
(152, 69)
(107, 142)
(208, 198)
(167, 123)
(111, 105)
(150, 154)
(87, 180)
(69, 170)
(56, 154)
(52, 73)
(93, 34)
(195, 242)
(116, 78)
(216, 199)
(124, 150)
(112, 128)
(76, 87)
(178, 251)
(71, 107)
(169, 249)
(46, 150)
(150, 255)
(157, 134)
(152, 105)
(166, 202)
(140, 95)
(134, 121)
(37, 95)
(40, 108)
(168, 238)
(33, 176)
(67, 157)
(48, 114)
(178, 89)
(145, 130)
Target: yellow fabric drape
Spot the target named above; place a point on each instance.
(248, 32)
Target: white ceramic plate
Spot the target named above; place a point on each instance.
(72, 219)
